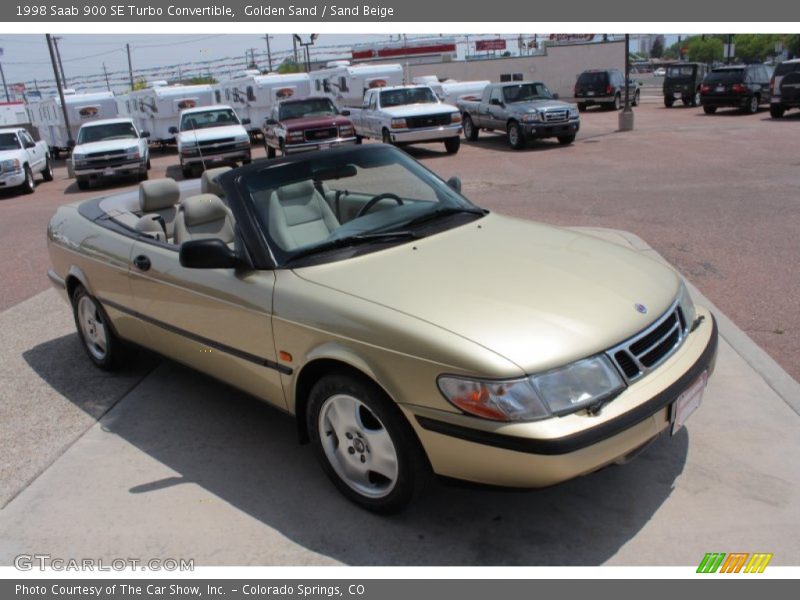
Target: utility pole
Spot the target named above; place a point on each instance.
(294, 46)
(58, 84)
(60, 66)
(5, 87)
(269, 53)
(130, 65)
(105, 73)
(626, 116)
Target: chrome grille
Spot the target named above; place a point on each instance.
(648, 349)
(421, 121)
(555, 116)
(326, 133)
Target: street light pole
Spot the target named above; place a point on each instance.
(626, 116)
(269, 53)
(5, 87)
(130, 65)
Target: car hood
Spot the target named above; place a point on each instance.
(106, 146)
(538, 295)
(411, 110)
(11, 154)
(544, 105)
(212, 133)
(314, 122)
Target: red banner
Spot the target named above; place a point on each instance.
(484, 45)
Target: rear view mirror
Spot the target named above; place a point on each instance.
(327, 174)
(173, 130)
(345, 113)
(455, 183)
(207, 254)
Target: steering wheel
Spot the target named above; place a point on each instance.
(375, 199)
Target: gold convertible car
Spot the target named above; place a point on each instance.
(409, 331)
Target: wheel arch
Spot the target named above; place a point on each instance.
(75, 277)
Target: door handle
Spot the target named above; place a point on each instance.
(141, 262)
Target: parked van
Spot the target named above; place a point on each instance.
(346, 84)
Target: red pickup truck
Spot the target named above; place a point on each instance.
(306, 124)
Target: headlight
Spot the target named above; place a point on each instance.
(346, 131)
(11, 166)
(686, 305)
(398, 124)
(295, 136)
(455, 117)
(78, 156)
(243, 140)
(132, 153)
(189, 145)
(556, 392)
(573, 112)
(531, 117)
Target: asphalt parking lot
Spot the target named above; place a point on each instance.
(94, 464)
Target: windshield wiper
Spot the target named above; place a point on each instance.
(353, 240)
(445, 211)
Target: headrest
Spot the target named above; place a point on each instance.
(157, 194)
(152, 225)
(203, 208)
(207, 183)
(293, 191)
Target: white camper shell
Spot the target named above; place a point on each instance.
(346, 84)
(253, 95)
(155, 109)
(48, 118)
(451, 91)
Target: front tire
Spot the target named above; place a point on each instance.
(696, 99)
(83, 184)
(94, 329)
(470, 131)
(617, 103)
(776, 111)
(187, 171)
(29, 185)
(566, 140)
(452, 145)
(270, 150)
(668, 102)
(636, 98)
(386, 137)
(581, 106)
(47, 173)
(709, 110)
(516, 139)
(752, 105)
(364, 443)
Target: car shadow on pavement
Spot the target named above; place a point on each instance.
(103, 185)
(247, 454)
(499, 143)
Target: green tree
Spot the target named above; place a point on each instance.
(705, 50)
(201, 80)
(657, 51)
(140, 83)
(289, 66)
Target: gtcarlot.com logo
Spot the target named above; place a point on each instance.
(736, 562)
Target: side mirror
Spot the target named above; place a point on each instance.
(207, 254)
(245, 121)
(555, 96)
(30, 144)
(345, 113)
(173, 130)
(455, 183)
(144, 134)
(271, 121)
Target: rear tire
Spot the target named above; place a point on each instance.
(776, 111)
(470, 131)
(364, 443)
(617, 103)
(47, 174)
(696, 99)
(566, 140)
(636, 98)
(270, 150)
(516, 139)
(752, 105)
(94, 330)
(668, 102)
(709, 110)
(359, 139)
(452, 145)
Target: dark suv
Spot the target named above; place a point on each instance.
(741, 86)
(785, 88)
(604, 88)
(682, 82)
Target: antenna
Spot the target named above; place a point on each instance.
(196, 141)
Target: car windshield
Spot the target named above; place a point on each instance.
(399, 97)
(680, 72)
(107, 131)
(218, 117)
(725, 76)
(315, 107)
(525, 92)
(594, 79)
(9, 141)
(360, 197)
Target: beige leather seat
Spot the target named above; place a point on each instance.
(299, 216)
(161, 196)
(207, 183)
(203, 217)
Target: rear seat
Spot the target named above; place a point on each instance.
(207, 183)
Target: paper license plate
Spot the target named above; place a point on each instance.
(677, 94)
(108, 172)
(688, 402)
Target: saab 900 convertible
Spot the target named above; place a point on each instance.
(408, 330)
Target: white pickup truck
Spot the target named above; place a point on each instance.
(407, 114)
(21, 158)
(211, 135)
(109, 148)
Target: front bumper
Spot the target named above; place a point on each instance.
(548, 130)
(425, 134)
(547, 452)
(12, 179)
(112, 170)
(321, 145)
(224, 157)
